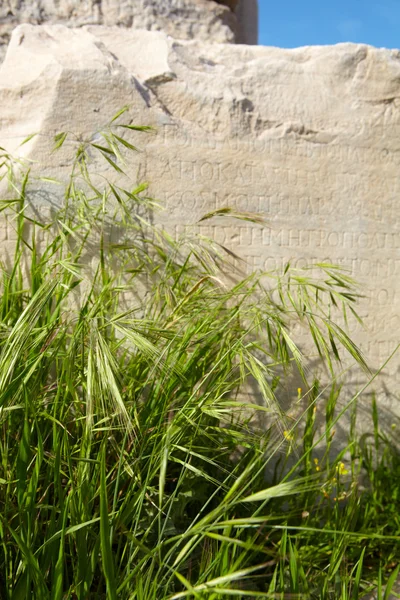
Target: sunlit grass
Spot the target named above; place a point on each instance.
(130, 465)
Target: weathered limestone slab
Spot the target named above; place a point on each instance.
(309, 136)
(207, 20)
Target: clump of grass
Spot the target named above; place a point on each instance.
(130, 466)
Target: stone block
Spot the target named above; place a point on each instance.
(309, 137)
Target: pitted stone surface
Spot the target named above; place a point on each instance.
(207, 20)
(309, 137)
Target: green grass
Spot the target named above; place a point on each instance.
(130, 465)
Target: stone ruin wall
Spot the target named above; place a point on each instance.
(223, 21)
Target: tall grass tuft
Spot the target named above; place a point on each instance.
(133, 458)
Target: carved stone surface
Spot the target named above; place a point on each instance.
(309, 136)
(221, 21)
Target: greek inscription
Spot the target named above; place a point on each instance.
(315, 238)
(339, 154)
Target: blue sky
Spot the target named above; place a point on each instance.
(291, 23)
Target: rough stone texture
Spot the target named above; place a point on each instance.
(309, 136)
(221, 21)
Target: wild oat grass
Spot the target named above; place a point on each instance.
(130, 466)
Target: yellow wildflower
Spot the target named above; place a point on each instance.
(341, 468)
(288, 436)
